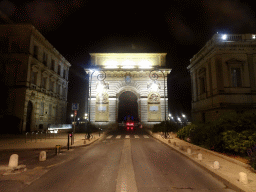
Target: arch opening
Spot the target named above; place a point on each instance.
(128, 107)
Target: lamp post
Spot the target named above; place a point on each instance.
(90, 91)
(184, 117)
(101, 76)
(72, 116)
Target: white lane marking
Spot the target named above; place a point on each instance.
(126, 177)
(145, 136)
(118, 136)
(108, 137)
(127, 136)
(136, 136)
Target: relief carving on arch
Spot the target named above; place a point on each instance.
(153, 98)
(102, 98)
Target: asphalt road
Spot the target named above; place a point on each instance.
(127, 161)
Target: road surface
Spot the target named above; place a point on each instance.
(127, 161)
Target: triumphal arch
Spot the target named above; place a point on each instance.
(121, 77)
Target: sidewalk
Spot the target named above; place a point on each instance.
(229, 168)
(41, 142)
(29, 167)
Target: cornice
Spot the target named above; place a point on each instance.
(216, 44)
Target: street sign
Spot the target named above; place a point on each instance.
(75, 106)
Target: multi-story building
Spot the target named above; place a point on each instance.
(34, 77)
(223, 75)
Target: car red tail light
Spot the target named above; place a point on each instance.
(131, 128)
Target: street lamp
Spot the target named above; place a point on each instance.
(85, 116)
(72, 115)
(185, 121)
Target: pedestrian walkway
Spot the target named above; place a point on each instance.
(21, 142)
(127, 137)
(228, 171)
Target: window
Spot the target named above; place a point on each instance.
(45, 57)
(235, 72)
(33, 77)
(64, 92)
(203, 117)
(59, 69)
(52, 65)
(202, 85)
(236, 77)
(64, 74)
(58, 89)
(35, 52)
(43, 83)
(202, 80)
(51, 86)
(41, 112)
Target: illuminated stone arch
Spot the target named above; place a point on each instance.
(128, 72)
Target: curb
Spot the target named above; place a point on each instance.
(214, 173)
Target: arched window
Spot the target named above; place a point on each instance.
(202, 81)
(235, 68)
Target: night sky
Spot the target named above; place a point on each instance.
(178, 27)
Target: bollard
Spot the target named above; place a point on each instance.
(200, 156)
(68, 141)
(32, 136)
(13, 161)
(26, 137)
(243, 178)
(189, 151)
(36, 136)
(71, 136)
(57, 149)
(42, 156)
(216, 165)
(84, 141)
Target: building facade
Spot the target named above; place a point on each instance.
(35, 79)
(140, 74)
(223, 77)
